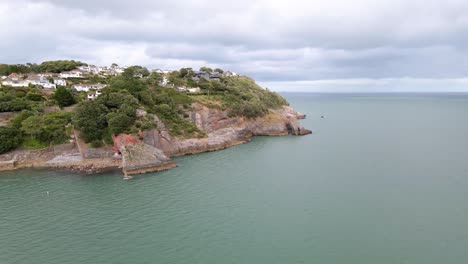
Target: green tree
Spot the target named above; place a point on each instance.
(118, 122)
(206, 69)
(132, 85)
(32, 126)
(53, 129)
(116, 99)
(63, 97)
(59, 66)
(154, 78)
(10, 138)
(19, 118)
(14, 105)
(89, 118)
(33, 96)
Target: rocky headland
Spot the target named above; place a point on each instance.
(152, 149)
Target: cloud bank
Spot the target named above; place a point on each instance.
(318, 45)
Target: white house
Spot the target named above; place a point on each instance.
(14, 80)
(229, 74)
(72, 74)
(93, 95)
(60, 82)
(194, 90)
(181, 88)
(40, 80)
(164, 81)
(90, 69)
(86, 87)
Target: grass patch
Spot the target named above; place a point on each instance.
(32, 143)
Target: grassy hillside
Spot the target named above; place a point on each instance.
(114, 111)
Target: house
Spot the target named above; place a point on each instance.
(181, 88)
(164, 81)
(15, 80)
(163, 71)
(207, 75)
(201, 74)
(60, 82)
(93, 95)
(72, 74)
(87, 87)
(194, 90)
(40, 80)
(90, 69)
(229, 74)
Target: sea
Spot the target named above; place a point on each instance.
(382, 179)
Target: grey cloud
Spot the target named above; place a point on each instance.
(270, 40)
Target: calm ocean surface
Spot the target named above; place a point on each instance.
(383, 179)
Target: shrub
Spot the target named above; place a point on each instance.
(96, 143)
(90, 118)
(63, 97)
(10, 138)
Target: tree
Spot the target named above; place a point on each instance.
(33, 96)
(206, 69)
(218, 70)
(14, 105)
(134, 71)
(118, 122)
(59, 66)
(63, 97)
(124, 82)
(89, 118)
(19, 118)
(205, 84)
(154, 78)
(10, 138)
(53, 129)
(32, 125)
(116, 99)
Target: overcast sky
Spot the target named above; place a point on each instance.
(315, 45)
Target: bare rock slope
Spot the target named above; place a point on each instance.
(224, 131)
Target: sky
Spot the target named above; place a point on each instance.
(294, 45)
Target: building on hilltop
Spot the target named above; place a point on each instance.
(206, 75)
(87, 87)
(72, 74)
(40, 80)
(93, 94)
(15, 80)
(60, 82)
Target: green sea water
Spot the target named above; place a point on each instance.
(383, 179)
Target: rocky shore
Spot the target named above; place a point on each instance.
(153, 149)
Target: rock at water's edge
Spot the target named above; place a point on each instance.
(142, 158)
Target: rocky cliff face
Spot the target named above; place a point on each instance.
(224, 131)
(153, 152)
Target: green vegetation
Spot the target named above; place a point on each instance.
(47, 66)
(240, 96)
(64, 97)
(90, 118)
(10, 138)
(59, 66)
(114, 111)
(34, 130)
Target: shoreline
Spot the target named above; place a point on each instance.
(156, 148)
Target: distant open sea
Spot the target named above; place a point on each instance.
(383, 179)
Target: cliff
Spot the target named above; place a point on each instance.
(224, 131)
(153, 151)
